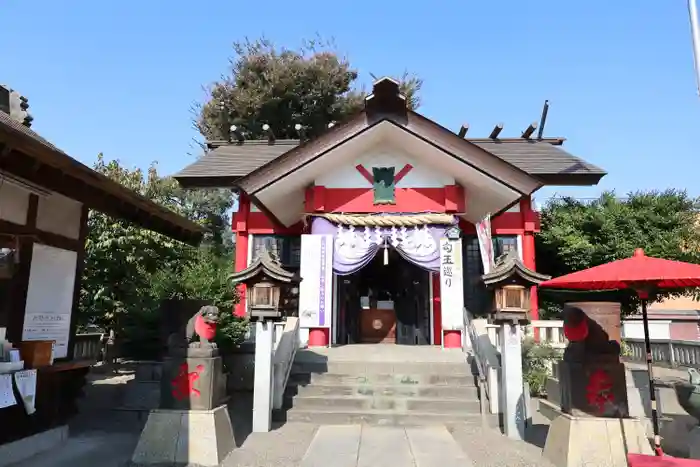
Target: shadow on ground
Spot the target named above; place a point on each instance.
(535, 430)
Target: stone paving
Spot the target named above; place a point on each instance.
(107, 438)
(464, 445)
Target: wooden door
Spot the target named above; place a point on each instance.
(348, 310)
(413, 307)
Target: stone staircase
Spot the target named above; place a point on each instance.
(381, 388)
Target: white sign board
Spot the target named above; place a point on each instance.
(316, 288)
(451, 284)
(50, 297)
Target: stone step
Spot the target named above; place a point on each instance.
(371, 368)
(376, 417)
(379, 379)
(466, 392)
(395, 404)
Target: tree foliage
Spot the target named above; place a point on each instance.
(130, 269)
(281, 87)
(576, 235)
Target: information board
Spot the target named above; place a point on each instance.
(50, 297)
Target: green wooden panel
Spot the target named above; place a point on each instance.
(384, 185)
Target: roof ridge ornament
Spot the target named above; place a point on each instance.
(386, 97)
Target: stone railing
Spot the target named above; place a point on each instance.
(670, 352)
(88, 346)
(486, 361)
(285, 349)
(551, 332)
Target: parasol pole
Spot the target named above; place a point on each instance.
(643, 295)
(695, 34)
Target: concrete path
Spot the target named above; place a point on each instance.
(88, 450)
(370, 446)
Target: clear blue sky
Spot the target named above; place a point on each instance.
(119, 77)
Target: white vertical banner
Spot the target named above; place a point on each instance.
(316, 288)
(483, 234)
(451, 284)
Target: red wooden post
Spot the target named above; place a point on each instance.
(240, 226)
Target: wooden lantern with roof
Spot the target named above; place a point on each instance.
(272, 291)
(511, 282)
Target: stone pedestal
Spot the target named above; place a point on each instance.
(192, 425)
(592, 388)
(192, 383)
(591, 426)
(182, 437)
(591, 441)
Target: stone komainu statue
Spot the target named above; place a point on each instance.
(203, 326)
(587, 339)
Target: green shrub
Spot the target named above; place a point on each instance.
(231, 331)
(625, 350)
(139, 338)
(537, 363)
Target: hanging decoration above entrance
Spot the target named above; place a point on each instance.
(357, 239)
(417, 241)
(384, 180)
(398, 220)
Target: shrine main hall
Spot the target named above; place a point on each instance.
(379, 216)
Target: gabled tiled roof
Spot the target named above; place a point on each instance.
(229, 161)
(539, 158)
(522, 158)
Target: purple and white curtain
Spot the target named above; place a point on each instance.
(354, 247)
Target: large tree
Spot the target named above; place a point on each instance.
(123, 260)
(580, 234)
(312, 86)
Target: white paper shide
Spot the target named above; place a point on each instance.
(25, 381)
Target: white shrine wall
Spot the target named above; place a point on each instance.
(420, 176)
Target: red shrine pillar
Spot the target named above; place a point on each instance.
(240, 226)
(530, 225)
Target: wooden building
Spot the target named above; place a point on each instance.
(45, 197)
(363, 208)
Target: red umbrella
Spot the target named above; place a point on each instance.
(642, 274)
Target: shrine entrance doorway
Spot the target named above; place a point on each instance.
(387, 301)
